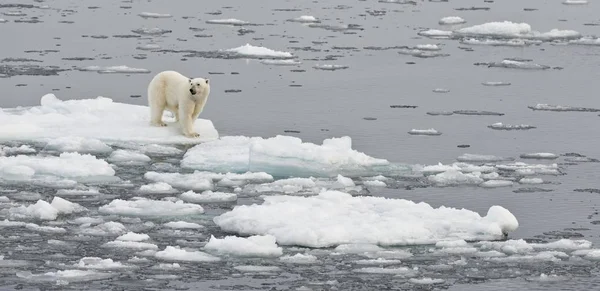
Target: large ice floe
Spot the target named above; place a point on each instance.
(285, 156)
(333, 218)
(98, 118)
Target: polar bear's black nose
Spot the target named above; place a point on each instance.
(192, 91)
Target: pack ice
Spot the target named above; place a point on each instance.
(98, 118)
(333, 218)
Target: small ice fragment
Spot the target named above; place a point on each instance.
(495, 83)
(122, 69)
(132, 236)
(230, 21)
(128, 157)
(154, 15)
(434, 33)
(207, 197)
(171, 253)
(253, 246)
(249, 50)
(441, 90)
(540, 156)
(258, 269)
(147, 207)
(451, 20)
(77, 144)
(159, 187)
(182, 225)
(330, 67)
(575, 2)
(470, 158)
(531, 181)
(496, 184)
(299, 259)
(305, 19)
(430, 131)
(502, 126)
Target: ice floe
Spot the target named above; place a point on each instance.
(303, 259)
(171, 253)
(511, 64)
(281, 62)
(23, 149)
(470, 158)
(285, 156)
(154, 15)
(122, 69)
(152, 208)
(587, 40)
(182, 225)
(497, 42)
(253, 246)
(561, 108)
(228, 21)
(65, 276)
(95, 263)
(43, 210)
(128, 157)
(258, 51)
(305, 19)
(77, 144)
(539, 156)
(507, 29)
(98, 118)
(435, 33)
(159, 187)
(132, 236)
(345, 219)
(451, 20)
(430, 131)
(207, 197)
(575, 2)
(329, 67)
(130, 245)
(502, 126)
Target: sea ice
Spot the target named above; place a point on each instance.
(330, 67)
(77, 144)
(470, 158)
(125, 157)
(496, 184)
(454, 178)
(96, 263)
(43, 210)
(345, 219)
(430, 131)
(378, 262)
(587, 40)
(400, 271)
(131, 245)
(531, 181)
(122, 69)
(147, 207)
(110, 228)
(305, 19)
(575, 2)
(99, 118)
(281, 62)
(171, 253)
(497, 42)
(230, 21)
(303, 259)
(426, 281)
(198, 181)
(249, 50)
(507, 29)
(434, 33)
(45, 229)
(539, 156)
(561, 108)
(154, 15)
(65, 276)
(451, 20)
(510, 64)
(132, 236)
(207, 197)
(285, 156)
(257, 269)
(502, 126)
(23, 149)
(182, 225)
(253, 246)
(159, 187)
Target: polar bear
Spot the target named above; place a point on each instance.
(183, 96)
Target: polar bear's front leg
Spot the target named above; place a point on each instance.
(186, 110)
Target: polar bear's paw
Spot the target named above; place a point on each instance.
(193, 135)
(159, 124)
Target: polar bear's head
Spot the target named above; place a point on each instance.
(199, 86)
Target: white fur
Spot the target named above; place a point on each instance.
(170, 90)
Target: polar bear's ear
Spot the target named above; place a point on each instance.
(190, 80)
(206, 81)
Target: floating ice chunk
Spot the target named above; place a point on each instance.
(451, 20)
(496, 184)
(549, 256)
(540, 156)
(421, 53)
(8, 223)
(509, 247)
(4, 199)
(525, 169)
(110, 228)
(426, 281)
(428, 47)
(41, 210)
(99, 118)
(283, 156)
(400, 271)
(374, 183)
(154, 15)
(281, 62)
(60, 277)
(434, 33)
(531, 181)
(454, 178)
(442, 113)
(378, 261)
(77, 192)
(128, 158)
(374, 220)
(253, 246)
(67, 165)
(159, 187)
(575, 2)
(451, 243)
(287, 186)
(257, 269)
(96, 263)
(329, 67)
(586, 41)
(441, 90)
(258, 51)
(23, 149)
(87, 220)
(548, 107)
(593, 255)
(155, 31)
(198, 181)
(230, 21)
(66, 207)
(345, 181)
(481, 158)
(564, 244)
(171, 253)
(207, 197)
(495, 84)
(502, 126)
(77, 144)
(430, 131)
(302, 259)
(132, 245)
(147, 207)
(132, 236)
(182, 225)
(2, 20)
(507, 29)
(305, 19)
(122, 69)
(477, 112)
(45, 229)
(497, 42)
(357, 248)
(510, 64)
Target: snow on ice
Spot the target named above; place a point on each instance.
(345, 219)
(98, 118)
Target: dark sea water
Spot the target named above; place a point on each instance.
(46, 44)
